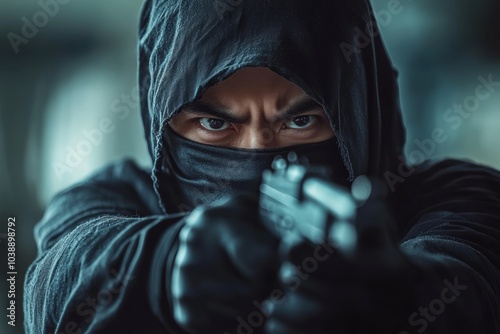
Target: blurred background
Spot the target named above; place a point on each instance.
(68, 102)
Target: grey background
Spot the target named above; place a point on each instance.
(80, 67)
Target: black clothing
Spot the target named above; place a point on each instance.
(106, 245)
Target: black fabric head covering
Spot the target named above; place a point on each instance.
(187, 46)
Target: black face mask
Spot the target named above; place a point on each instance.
(203, 174)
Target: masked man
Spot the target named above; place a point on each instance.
(227, 86)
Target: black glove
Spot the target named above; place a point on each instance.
(226, 261)
(368, 292)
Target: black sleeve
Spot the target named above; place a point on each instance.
(103, 253)
(453, 232)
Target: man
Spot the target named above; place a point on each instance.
(226, 88)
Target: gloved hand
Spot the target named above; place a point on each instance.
(226, 261)
(371, 291)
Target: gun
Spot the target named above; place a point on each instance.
(299, 202)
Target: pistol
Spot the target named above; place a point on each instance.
(299, 202)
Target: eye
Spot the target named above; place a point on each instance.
(301, 122)
(214, 124)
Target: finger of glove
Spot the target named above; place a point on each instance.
(322, 278)
(324, 261)
(321, 261)
(254, 252)
(340, 313)
(224, 274)
(193, 280)
(205, 293)
(236, 229)
(252, 248)
(303, 313)
(207, 262)
(213, 315)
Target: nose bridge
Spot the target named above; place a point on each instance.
(259, 137)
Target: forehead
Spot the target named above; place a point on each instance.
(254, 82)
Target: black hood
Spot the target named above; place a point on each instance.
(329, 48)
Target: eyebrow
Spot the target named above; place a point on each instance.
(227, 114)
